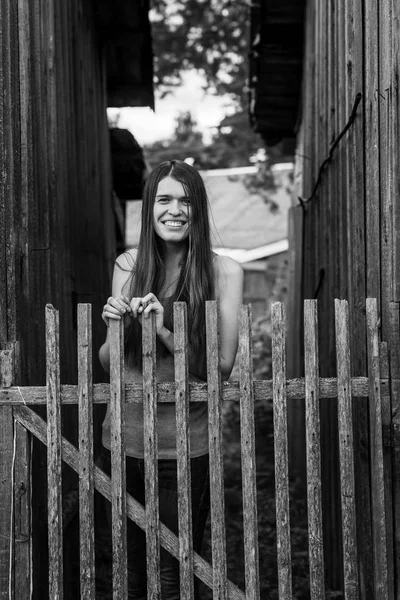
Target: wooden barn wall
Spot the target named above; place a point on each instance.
(56, 217)
(348, 234)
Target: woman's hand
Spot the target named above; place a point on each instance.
(141, 307)
(115, 308)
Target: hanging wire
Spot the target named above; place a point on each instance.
(303, 202)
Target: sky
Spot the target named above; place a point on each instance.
(148, 126)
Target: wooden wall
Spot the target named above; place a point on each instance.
(56, 218)
(348, 234)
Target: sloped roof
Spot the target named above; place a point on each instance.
(125, 34)
(238, 219)
(276, 59)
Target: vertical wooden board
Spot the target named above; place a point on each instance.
(376, 449)
(55, 538)
(355, 183)
(295, 299)
(181, 370)
(27, 186)
(86, 486)
(394, 358)
(313, 450)
(151, 456)
(216, 458)
(22, 521)
(309, 151)
(248, 454)
(395, 150)
(3, 265)
(387, 464)
(346, 452)
(385, 164)
(296, 422)
(371, 150)
(355, 192)
(342, 152)
(11, 167)
(118, 472)
(281, 451)
(6, 480)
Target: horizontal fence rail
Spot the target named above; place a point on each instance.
(247, 392)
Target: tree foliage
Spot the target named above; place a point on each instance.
(230, 146)
(210, 36)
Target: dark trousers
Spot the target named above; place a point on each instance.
(168, 506)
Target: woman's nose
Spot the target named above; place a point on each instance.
(175, 207)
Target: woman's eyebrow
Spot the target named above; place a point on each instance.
(169, 196)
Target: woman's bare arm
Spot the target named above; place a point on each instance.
(121, 274)
(229, 289)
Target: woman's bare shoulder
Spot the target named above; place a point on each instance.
(227, 267)
(127, 260)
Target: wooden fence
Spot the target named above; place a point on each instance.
(377, 385)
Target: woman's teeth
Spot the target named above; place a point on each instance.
(173, 223)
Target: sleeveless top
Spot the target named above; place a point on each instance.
(166, 423)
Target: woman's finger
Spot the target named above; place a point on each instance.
(135, 305)
(125, 302)
(156, 306)
(149, 298)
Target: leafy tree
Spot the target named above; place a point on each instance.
(232, 144)
(211, 36)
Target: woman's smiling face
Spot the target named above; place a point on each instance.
(171, 211)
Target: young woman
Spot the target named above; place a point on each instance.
(174, 262)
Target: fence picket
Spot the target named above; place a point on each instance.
(346, 452)
(54, 498)
(247, 440)
(86, 485)
(151, 457)
(118, 472)
(217, 502)
(313, 450)
(183, 451)
(281, 451)
(376, 450)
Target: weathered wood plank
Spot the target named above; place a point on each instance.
(135, 510)
(22, 523)
(394, 146)
(6, 479)
(384, 98)
(376, 450)
(151, 457)
(281, 452)
(313, 450)
(394, 358)
(217, 503)
(371, 137)
(54, 498)
(118, 472)
(346, 452)
(295, 390)
(86, 487)
(387, 466)
(248, 454)
(183, 451)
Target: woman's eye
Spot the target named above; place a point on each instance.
(186, 201)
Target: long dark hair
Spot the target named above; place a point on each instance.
(196, 280)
